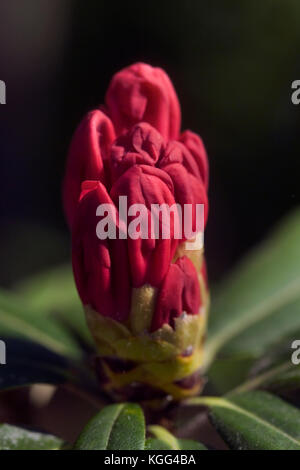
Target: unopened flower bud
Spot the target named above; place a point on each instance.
(143, 287)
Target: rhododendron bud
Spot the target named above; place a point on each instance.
(150, 258)
(194, 144)
(101, 267)
(88, 154)
(141, 145)
(132, 191)
(143, 93)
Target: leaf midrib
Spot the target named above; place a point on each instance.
(117, 415)
(261, 379)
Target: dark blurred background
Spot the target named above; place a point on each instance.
(232, 64)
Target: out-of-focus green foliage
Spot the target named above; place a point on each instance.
(259, 304)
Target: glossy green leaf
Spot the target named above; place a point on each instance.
(15, 438)
(259, 304)
(255, 421)
(116, 427)
(171, 442)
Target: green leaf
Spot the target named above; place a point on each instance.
(254, 421)
(18, 319)
(260, 302)
(116, 427)
(30, 363)
(51, 289)
(54, 291)
(15, 438)
(188, 444)
(171, 442)
(273, 371)
(156, 444)
(287, 381)
(284, 376)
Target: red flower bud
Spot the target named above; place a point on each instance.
(142, 145)
(196, 148)
(143, 93)
(101, 267)
(87, 158)
(179, 293)
(149, 258)
(182, 167)
(145, 292)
